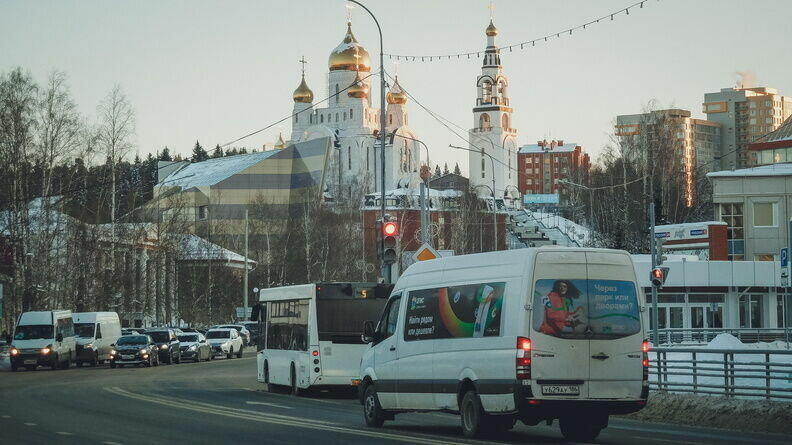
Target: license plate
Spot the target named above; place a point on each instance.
(31, 362)
(561, 390)
(127, 357)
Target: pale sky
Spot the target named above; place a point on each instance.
(214, 71)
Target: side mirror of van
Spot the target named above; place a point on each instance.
(59, 338)
(368, 332)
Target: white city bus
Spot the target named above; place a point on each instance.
(311, 333)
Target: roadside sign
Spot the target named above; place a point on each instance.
(240, 313)
(784, 257)
(425, 253)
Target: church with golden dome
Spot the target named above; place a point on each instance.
(350, 119)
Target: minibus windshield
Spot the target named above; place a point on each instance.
(84, 330)
(33, 332)
(586, 309)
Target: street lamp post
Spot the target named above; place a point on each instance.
(424, 197)
(384, 268)
(494, 206)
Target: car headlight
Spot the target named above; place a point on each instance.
(13, 351)
(164, 347)
(193, 347)
(89, 346)
(45, 350)
(143, 351)
(113, 352)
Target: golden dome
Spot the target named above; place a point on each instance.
(303, 94)
(358, 89)
(491, 29)
(349, 55)
(396, 95)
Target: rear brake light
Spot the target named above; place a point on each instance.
(645, 346)
(523, 361)
(645, 359)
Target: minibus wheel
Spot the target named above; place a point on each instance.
(579, 429)
(372, 410)
(472, 414)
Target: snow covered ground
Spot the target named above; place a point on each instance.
(752, 364)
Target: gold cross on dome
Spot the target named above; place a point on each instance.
(303, 62)
(491, 8)
(396, 67)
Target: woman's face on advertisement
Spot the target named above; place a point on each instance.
(562, 288)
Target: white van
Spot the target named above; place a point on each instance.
(529, 334)
(43, 338)
(96, 334)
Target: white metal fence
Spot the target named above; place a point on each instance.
(746, 373)
(745, 335)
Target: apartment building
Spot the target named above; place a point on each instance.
(745, 115)
(543, 167)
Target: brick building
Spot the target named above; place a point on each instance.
(541, 165)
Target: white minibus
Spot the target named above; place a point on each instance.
(96, 334)
(312, 333)
(43, 338)
(532, 335)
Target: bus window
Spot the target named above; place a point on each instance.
(288, 325)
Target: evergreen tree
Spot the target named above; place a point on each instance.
(198, 153)
(445, 169)
(437, 173)
(218, 152)
(243, 151)
(231, 152)
(165, 155)
(457, 171)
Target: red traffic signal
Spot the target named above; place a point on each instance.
(390, 228)
(658, 276)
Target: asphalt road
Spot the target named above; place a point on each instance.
(220, 402)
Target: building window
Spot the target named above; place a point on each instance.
(484, 121)
(529, 181)
(321, 118)
(505, 121)
(483, 167)
(336, 116)
(203, 212)
(295, 118)
(350, 113)
(751, 311)
(390, 118)
(528, 161)
(732, 215)
(486, 92)
(349, 157)
(764, 214)
(344, 115)
(780, 311)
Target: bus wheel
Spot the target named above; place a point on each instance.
(577, 429)
(473, 416)
(295, 391)
(372, 410)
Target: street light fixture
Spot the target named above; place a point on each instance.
(494, 206)
(424, 199)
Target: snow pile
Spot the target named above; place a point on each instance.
(726, 341)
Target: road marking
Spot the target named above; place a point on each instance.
(64, 433)
(281, 420)
(249, 402)
(29, 424)
(110, 443)
(6, 417)
(654, 439)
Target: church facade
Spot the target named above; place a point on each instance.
(350, 119)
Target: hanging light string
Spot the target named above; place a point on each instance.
(521, 45)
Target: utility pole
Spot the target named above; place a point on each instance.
(655, 316)
(424, 215)
(494, 206)
(245, 285)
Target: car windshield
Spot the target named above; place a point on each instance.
(188, 338)
(33, 332)
(160, 337)
(84, 330)
(238, 328)
(218, 334)
(132, 340)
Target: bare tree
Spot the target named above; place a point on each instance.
(114, 135)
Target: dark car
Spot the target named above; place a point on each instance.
(134, 350)
(194, 347)
(168, 344)
(252, 327)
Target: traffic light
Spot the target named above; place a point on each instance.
(390, 235)
(658, 276)
(659, 257)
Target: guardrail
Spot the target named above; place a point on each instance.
(749, 373)
(705, 335)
